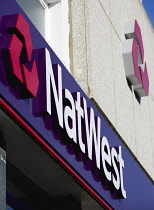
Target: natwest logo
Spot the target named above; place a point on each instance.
(67, 114)
(76, 125)
(16, 50)
(133, 56)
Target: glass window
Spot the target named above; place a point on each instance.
(36, 13)
(50, 17)
(8, 208)
(57, 29)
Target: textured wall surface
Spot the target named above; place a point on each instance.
(96, 40)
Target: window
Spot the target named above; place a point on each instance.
(50, 17)
(57, 28)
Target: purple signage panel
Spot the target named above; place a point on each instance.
(43, 95)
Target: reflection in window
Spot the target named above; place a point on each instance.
(9, 208)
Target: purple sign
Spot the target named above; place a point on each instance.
(38, 87)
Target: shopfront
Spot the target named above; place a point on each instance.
(60, 148)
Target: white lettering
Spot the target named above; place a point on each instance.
(121, 164)
(106, 157)
(91, 133)
(57, 94)
(72, 118)
(69, 113)
(79, 116)
(116, 181)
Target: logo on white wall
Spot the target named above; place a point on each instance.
(133, 56)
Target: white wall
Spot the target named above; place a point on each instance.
(97, 37)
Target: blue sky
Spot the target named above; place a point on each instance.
(149, 7)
